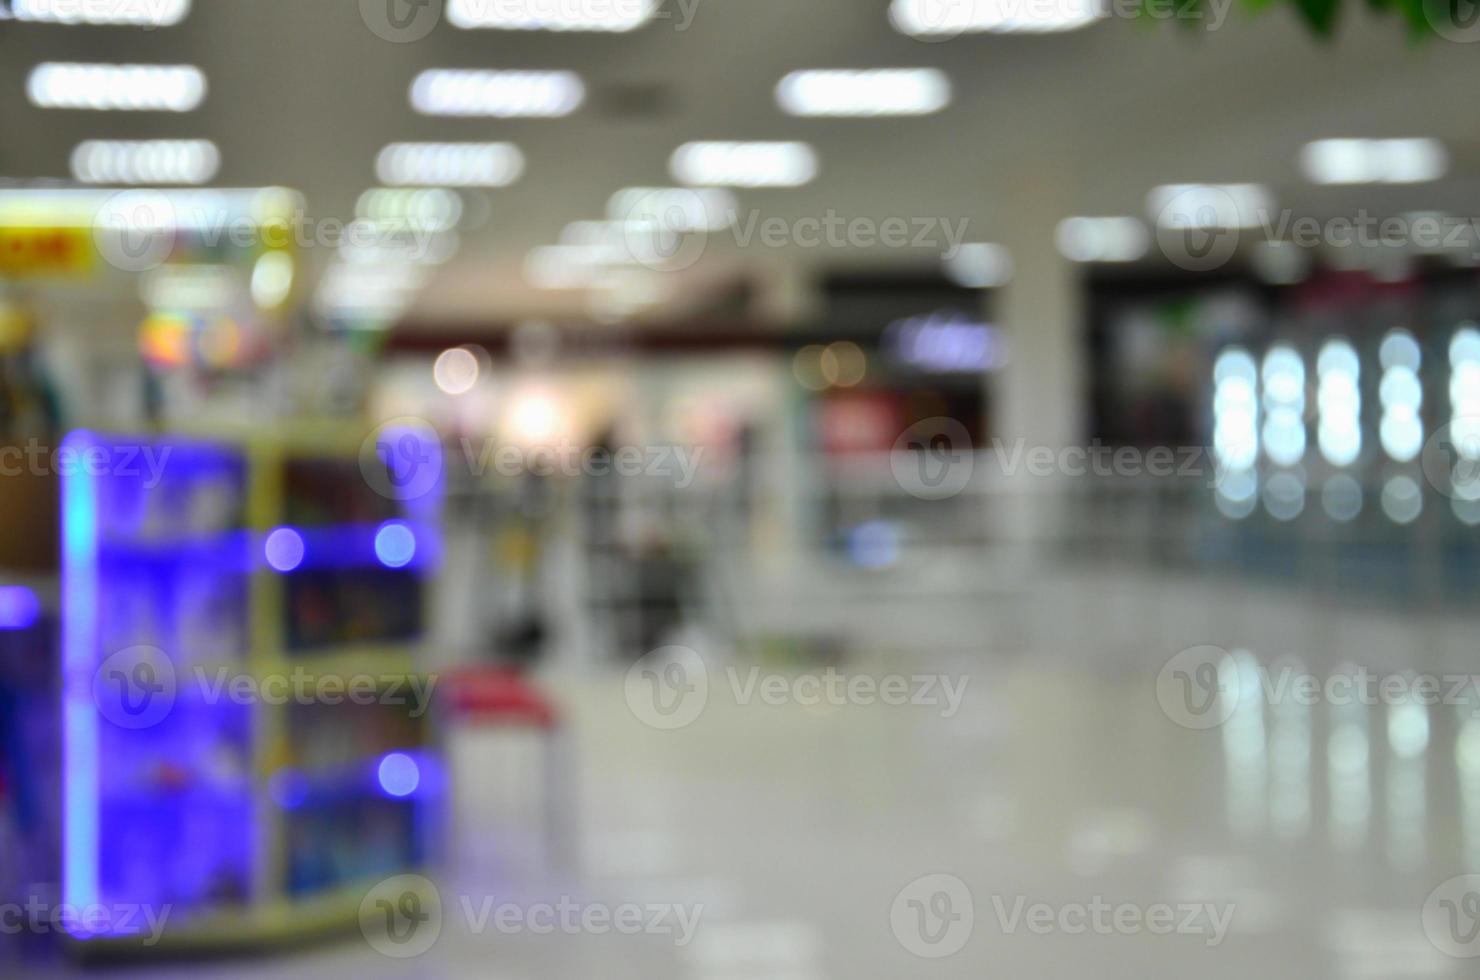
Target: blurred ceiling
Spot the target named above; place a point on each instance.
(303, 93)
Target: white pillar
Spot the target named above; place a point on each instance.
(1040, 396)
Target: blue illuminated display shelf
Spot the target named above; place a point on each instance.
(244, 731)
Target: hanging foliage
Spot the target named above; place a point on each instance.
(1453, 20)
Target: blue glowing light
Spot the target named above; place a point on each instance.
(284, 549)
(945, 341)
(395, 544)
(874, 544)
(399, 775)
(289, 788)
(79, 717)
(19, 607)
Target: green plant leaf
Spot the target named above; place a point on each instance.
(1319, 14)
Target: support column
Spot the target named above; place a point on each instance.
(1040, 396)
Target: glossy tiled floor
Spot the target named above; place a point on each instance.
(804, 832)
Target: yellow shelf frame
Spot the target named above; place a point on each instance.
(277, 920)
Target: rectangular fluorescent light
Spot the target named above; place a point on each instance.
(599, 242)
(428, 209)
(1118, 239)
(501, 94)
(145, 161)
(945, 342)
(676, 209)
(188, 287)
(565, 266)
(1364, 161)
(1210, 205)
(137, 13)
(867, 92)
(368, 293)
(552, 15)
(449, 164)
(777, 164)
(949, 18)
(980, 265)
(157, 88)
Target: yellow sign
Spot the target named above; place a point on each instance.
(44, 252)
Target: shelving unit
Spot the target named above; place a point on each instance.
(255, 565)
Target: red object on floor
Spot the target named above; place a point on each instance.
(498, 695)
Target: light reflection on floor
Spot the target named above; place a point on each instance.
(799, 831)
